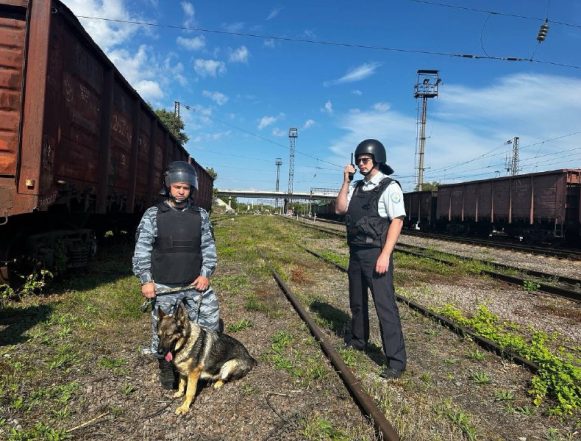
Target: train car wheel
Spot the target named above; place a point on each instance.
(16, 265)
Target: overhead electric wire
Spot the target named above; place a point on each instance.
(505, 14)
(528, 162)
(248, 132)
(490, 152)
(335, 43)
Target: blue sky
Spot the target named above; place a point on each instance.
(342, 71)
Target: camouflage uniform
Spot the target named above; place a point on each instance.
(207, 302)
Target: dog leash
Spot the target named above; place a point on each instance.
(149, 302)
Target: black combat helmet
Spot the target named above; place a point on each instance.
(180, 171)
(377, 150)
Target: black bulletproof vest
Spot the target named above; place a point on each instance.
(176, 258)
(365, 228)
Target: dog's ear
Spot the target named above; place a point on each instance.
(182, 316)
(160, 313)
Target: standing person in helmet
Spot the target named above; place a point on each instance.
(175, 248)
(375, 212)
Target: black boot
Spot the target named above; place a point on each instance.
(167, 375)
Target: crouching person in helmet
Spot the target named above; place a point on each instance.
(175, 249)
(374, 211)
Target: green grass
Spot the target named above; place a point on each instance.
(504, 395)
(559, 375)
(461, 419)
(239, 326)
(320, 429)
(476, 355)
(480, 378)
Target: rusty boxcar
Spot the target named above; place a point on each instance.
(81, 152)
(420, 208)
(535, 206)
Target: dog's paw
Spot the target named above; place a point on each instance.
(178, 394)
(182, 410)
(218, 384)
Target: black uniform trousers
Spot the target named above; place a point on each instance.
(362, 276)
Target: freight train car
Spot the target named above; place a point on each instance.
(327, 211)
(535, 207)
(420, 208)
(81, 152)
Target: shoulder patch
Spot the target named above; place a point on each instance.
(395, 197)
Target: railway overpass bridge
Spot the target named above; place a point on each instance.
(315, 193)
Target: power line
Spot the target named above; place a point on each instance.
(527, 163)
(505, 14)
(193, 109)
(337, 43)
(490, 152)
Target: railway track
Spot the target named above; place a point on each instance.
(460, 330)
(384, 429)
(566, 287)
(570, 254)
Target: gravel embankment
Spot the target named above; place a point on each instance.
(549, 265)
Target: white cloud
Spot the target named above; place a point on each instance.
(328, 107)
(188, 9)
(209, 68)
(467, 129)
(218, 97)
(308, 123)
(381, 107)
(524, 97)
(239, 55)
(266, 121)
(107, 34)
(148, 89)
(214, 136)
(197, 119)
(279, 132)
(193, 44)
(273, 13)
(270, 43)
(141, 70)
(234, 27)
(175, 70)
(189, 14)
(357, 92)
(357, 74)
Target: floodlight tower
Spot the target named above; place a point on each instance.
(278, 163)
(426, 87)
(512, 164)
(292, 136)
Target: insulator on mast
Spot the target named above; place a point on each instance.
(543, 31)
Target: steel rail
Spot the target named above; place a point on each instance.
(544, 287)
(363, 400)
(460, 330)
(563, 254)
(571, 254)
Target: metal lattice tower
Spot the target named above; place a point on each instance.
(426, 87)
(292, 135)
(278, 163)
(512, 164)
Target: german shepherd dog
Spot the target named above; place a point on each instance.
(199, 353)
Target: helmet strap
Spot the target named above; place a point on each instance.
(175, 203)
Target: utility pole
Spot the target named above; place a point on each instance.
(512, 165)
(278, 163)
(426, 87)
(292, 136)
(176, 108)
